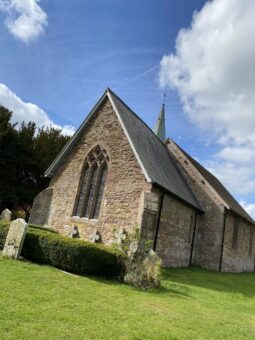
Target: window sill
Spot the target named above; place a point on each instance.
(83, 219)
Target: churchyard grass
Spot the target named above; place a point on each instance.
(41, 302)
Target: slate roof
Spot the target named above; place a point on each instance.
(152, 154)
(230, 201)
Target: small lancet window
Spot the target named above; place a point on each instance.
(90, 192)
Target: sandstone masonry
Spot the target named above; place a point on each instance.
(124, 183)
(214, 228)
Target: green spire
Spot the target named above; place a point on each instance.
(160, 126)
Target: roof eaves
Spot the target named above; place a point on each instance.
(250, 221)
(198, 207)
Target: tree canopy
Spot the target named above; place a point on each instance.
(25, 153)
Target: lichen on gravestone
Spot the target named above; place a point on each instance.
(73, 232)
(6, 215)
(120, 236)
(15, 239)
(143, 269)
(96, 237)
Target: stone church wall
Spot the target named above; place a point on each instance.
(149, 215)
(239, 249)
(177, 222)
(209, 232)
(124, 182)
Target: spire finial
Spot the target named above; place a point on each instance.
(160, 126)
(164, 99)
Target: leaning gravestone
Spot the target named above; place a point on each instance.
(15, 238)
(6, 215)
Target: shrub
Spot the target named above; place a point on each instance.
(141, 266)
(143, 269)
(71, 255)
(37, 227)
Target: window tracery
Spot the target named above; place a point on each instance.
(92, 184)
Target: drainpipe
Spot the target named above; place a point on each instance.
(158, 221)
(193, 240)
(223, 238)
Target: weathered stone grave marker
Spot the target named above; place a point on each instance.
(15, 238)
(96, 237)
(120, 236)
(6, 215)
(73, 232)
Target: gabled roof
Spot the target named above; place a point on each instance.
(153, 156)
(229, 201)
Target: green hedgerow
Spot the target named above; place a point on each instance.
(77, 256)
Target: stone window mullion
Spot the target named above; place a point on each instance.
(85, 202)
(91, 190)
(98, 182)
(89, 197)
(100, 191)
(79, 202)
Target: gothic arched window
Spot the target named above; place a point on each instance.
(92, 183)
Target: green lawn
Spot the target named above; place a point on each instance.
(40, 302)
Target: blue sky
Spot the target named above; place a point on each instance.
(88, 46)
(63, 55)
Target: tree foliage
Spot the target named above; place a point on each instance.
(25, 153)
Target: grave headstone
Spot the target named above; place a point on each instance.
(120, 236)
(6, 215)
(73, 232)
(96, 237)
(15, 238)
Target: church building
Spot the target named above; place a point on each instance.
(115, 173)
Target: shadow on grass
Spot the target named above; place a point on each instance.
(242, 283)
(177, 282)
(179, 292)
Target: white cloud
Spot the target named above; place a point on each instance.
(25, 18)
(237, 154)
(26, 112)
(238, 178)
(213, 70)
(249, 207)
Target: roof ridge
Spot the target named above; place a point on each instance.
(193, 159)
(227, 205)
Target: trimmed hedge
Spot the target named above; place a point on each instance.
(72, 255)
